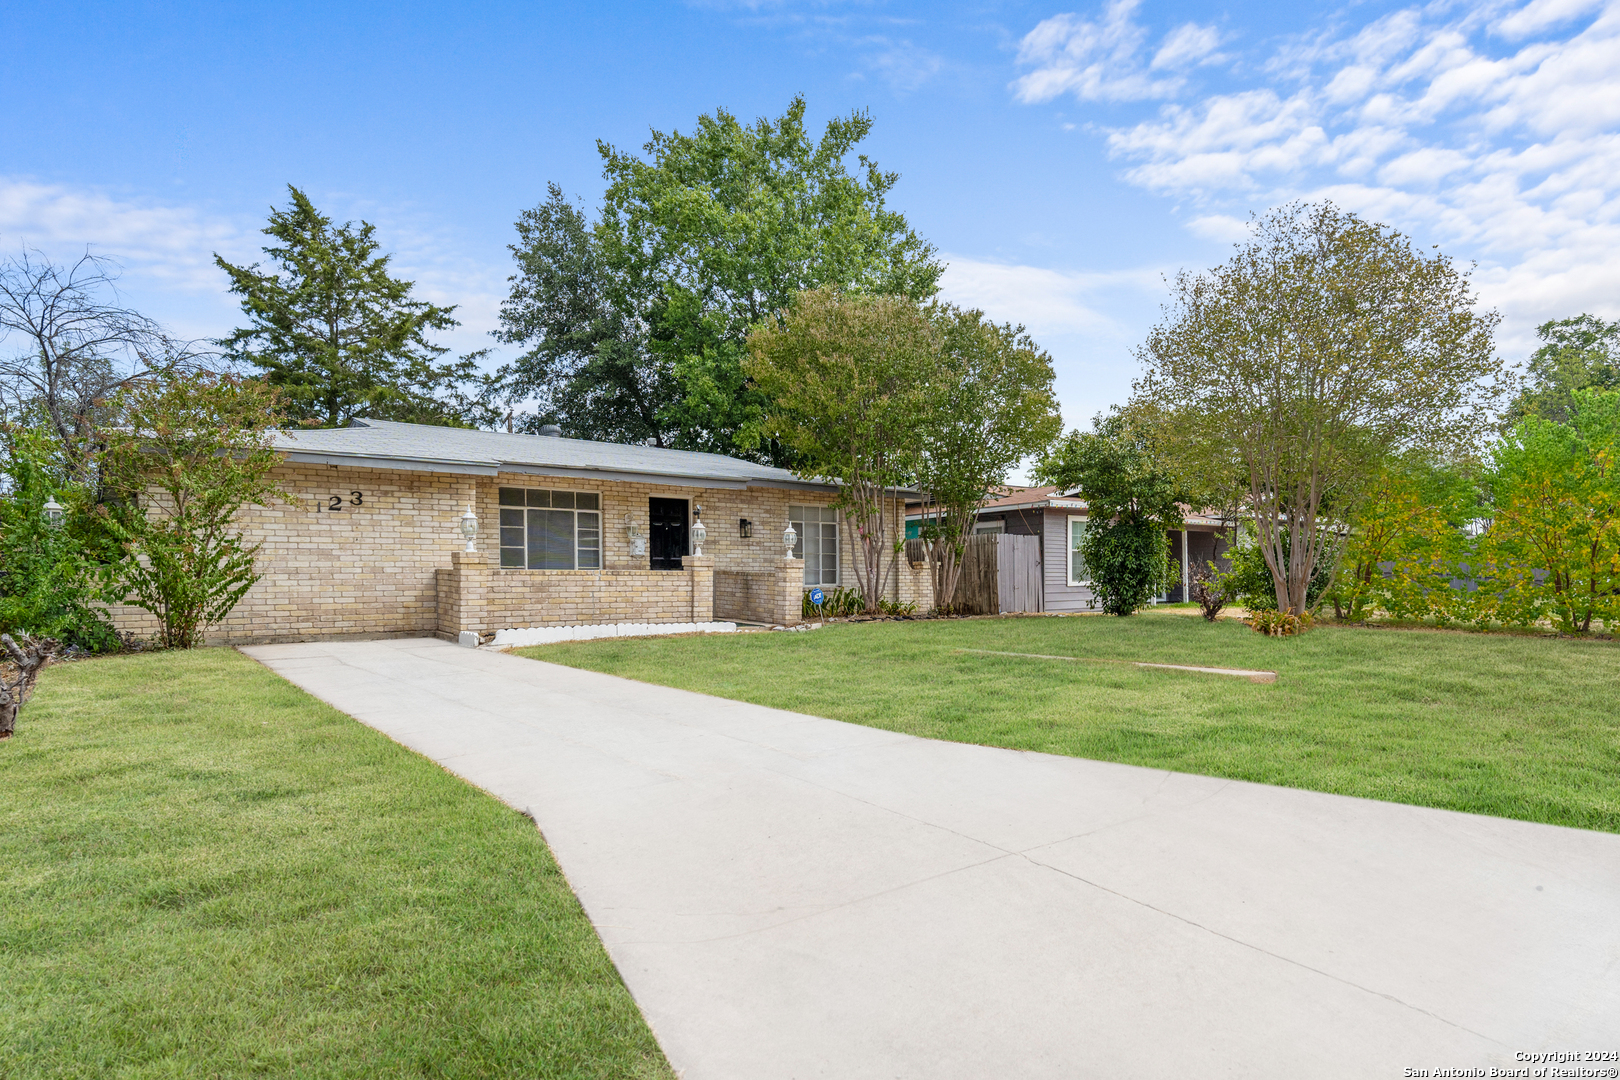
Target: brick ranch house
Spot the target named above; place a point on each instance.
(569, 532)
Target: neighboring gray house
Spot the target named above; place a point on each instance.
(1058, 519)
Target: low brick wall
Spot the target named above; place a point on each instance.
(474, 596)
(774, 597)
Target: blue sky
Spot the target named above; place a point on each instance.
(1065, 159)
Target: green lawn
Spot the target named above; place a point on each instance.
(205, 872)
(1517, 726)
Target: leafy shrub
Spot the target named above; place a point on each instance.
(49, 584)
(1209, 589)
(1273, 623)
(835, 603)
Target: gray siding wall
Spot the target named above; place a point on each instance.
(1060, 596)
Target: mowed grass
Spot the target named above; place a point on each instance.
(204, 872)
(1515, 726)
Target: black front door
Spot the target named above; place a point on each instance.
(666, 533)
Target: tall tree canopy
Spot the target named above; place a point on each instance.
(337, 334)
(1323, 346)
(849, 381)
(637, 324)
(1575, 354)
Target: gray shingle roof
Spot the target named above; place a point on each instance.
(385, 444)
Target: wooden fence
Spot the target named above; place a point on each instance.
(1000, 572)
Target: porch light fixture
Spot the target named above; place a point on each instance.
(469, 527)
(638, 543)
(54, 513)
(745, 527)
(699, 533)
(790, 536)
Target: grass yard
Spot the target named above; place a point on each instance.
(1516, 726)
(207, 873)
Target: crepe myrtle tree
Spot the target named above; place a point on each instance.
(990, 405)
(1325, 345)
(193, 452)
(850, 380)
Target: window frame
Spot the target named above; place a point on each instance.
(575, 547)
(799, 524)
(1069, 549)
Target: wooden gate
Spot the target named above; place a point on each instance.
(1018, 572)
(1000, 572)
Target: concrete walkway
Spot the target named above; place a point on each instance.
(793, 897)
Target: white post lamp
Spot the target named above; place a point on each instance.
(54, 513)
(469, 527)
(790, 536)
(699, 532)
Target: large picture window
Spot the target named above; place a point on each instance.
(1077, 562)
(550, 530)
(817, 545)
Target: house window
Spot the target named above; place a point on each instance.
(989, 527)
(550, 530)
(817, 545)
(1077, 562)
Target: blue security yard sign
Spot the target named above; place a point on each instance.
(817, 596)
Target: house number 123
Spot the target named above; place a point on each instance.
(333, 503)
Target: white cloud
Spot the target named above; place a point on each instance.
(1222, 228)
(1046, 301)
(1188, 44)
(1094, 60)
(1494, 132)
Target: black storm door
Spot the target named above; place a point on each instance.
(666, 532)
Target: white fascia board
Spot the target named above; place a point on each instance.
(628, 477)
(355, 461)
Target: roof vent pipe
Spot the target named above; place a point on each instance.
(551, 430)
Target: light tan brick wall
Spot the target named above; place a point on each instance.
(384, 567)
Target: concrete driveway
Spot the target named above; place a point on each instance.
(794, 897)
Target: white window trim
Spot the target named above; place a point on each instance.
(838, 543)
(981, 528)
(1068, 550)
(601, 528)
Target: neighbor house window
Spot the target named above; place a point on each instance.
(817, 545)
(551, 530)
(1077, 563)
(989, 527)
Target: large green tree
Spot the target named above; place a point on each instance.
(338, 335)
(1324, 346)
(638, 322)
(849, 381)
(991, 405)
(1130, 501)
(586, 366)
(1575, 354)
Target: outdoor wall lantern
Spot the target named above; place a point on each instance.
(54, 513)
(790, 536)
(638, 542)
(469, 527)
(699, 533)
(746, 528)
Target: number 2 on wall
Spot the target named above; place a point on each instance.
(334, 503)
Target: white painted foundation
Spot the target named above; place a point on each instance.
(547, 635)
